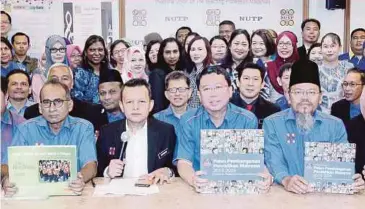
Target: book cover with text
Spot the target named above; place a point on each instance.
(42, 171)
(329, 167)
(232, 160)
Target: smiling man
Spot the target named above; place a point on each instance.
(310, 33)
(349, 107)
(285, 132)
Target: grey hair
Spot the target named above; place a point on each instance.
(56, 82)
(60, 65)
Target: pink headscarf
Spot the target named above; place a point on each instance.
(273, 67)
(127, 73)
(70, 49)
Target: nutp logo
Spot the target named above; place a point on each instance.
(213, 17)
(287, 17)
(139, 17)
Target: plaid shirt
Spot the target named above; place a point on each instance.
(9, 121)
(194, 101)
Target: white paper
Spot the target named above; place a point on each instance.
(121, 187)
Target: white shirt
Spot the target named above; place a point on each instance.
(136, 153)
(136, 163)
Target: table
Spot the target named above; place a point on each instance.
(180, 196)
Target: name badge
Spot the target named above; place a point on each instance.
(163, 153)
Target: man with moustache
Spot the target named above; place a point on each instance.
(18, 83)
(178, 93)
(21, 44)
(349, 107)
(355, 130)
(356, 44)
(182, 33)
(285, 132)
(310, 33)
(226, 29)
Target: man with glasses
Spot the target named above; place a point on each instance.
(285, 132)
(349, 107)
(56, 127)
(178, 93)
(214, 90)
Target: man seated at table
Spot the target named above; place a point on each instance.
(150, 142)
(355, 130)
(178, 93)
(215, 112)
(110, 85)
(63, 74)
(349, 107)
(250, 83)
(285, 132)
(56, 127)
(9, 121)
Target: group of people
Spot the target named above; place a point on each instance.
(157, 98)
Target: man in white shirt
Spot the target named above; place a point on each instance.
(148, 151)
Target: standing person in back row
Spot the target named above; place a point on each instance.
(310, 33)
(226, 29)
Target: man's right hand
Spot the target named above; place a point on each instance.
(295, 184)
(198, 182)
(9, 188)
(115, 168)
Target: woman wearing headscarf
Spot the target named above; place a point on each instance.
(74, 56)
(134, 64)
(286, 53)
(55, 51)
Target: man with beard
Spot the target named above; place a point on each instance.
(21, 44)
(310, 33)
(355, 130)
(19, 90)
(110, 85)
(285, 132)
(349, 107)
(178, 93)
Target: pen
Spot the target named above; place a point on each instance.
(93, 183)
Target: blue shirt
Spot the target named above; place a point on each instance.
(168, 116)
(114, 117)
(12, 66)
(86, 85)
(188, 139)
(22, 110)
(359, 63)
(284, 144)
(9, 120)
(282, 103)
(354, 110)
(74, 131)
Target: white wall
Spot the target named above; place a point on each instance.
(331, 20)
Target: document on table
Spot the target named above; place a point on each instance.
(121, 187)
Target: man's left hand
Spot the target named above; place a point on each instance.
(160, 176)
(77, 185)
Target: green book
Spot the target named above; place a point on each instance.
(42, 171)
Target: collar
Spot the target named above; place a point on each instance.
(41, 121)
(170, 112)
(142, 130)
(229, 114)
(6, 118)
(291, 115)
(26, 60)
(27, 104)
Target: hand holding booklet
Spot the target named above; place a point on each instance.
(121, 187)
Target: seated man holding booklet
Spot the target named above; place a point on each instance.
(286, 132)
(215, 91)
(56, 127)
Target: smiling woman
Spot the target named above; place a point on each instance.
(55, 51)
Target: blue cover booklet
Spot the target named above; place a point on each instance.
(329, 167)
(232, 160)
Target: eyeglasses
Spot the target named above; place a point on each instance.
(351, 84)
(180, 89)
(119, 52)
(57, 102)
(5, 22)
(207, 89)
(55, 50)
(110, 92)
(298, 92)
(286, 44)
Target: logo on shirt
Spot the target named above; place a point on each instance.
(111, 150)
(290, 138)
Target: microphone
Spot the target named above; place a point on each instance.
(124, 138)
